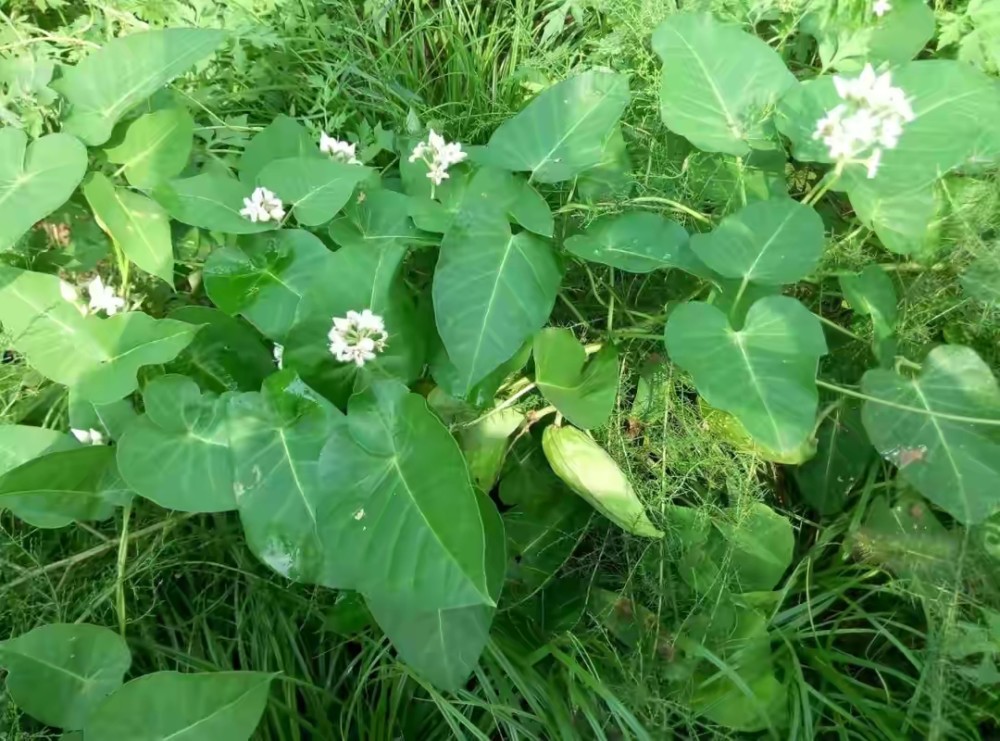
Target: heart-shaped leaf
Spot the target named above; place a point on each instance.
(210, 201)
(35, 180)
(58, 673)
(941, 430)
(763, 374)
(265, 277)
(637, 242)
(99, 356)
(284, 137)
(562, 132)
(216, 706)
(771, 242)
(380, 220)
(136, 224)
(156, 147)
(719, 82)
(492, 290)
(177, 453)
(315, 188)
(583, 392)
(126, 71)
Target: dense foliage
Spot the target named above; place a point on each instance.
(656, 395)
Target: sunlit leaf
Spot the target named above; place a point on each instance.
(58, 673)
(156, 147)
(897, 37)
(315, 189)
(719, 83)
(217, 706)
(136, 224)
(35, 180)
(21, 443)
(563, 131)
(282, 138)
(635, 241)
(110, 81)
(484, 445)
(210, 201)
(380, 220)
(583, 392)
(108, 419)
(872, 293)
(764, 374)
(941, 429)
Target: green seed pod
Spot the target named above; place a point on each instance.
(589, 471)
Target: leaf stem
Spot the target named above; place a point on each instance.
(122, 558)
(907, 407)
(506, 404)
(834, 325)
(696, 215)
(823, 185)
(576, 312)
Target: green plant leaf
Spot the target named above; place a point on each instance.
(544, 538)
(210, 201)
(611, 178)
(35, 180)
(315, 188)
(283, 138)
(719, 83)
(485, 443)
(771, 242)
(108, 419)
(99, 356)
(403, 477)
(842, 457)
(583, 392)
(58, 488)
(136, 224)
(380, 220)
(761, 543)
(444, 645)
(177, 453)
(169, 706)
(227, 354)
(563, 131)
(941, 430)
(981, 280)
(264, 278)
(492, 290)
(763, 374)
(872, 293)
(636, 241)
(21, 443)
(896, 37)
(156, 147)
(446, 376)
(124, 72)
(57, 673)
(907, 222)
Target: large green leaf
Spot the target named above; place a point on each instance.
(872, 293)
(492, 290)
(763, 374)
(156, 147)
(444, 645)
(771, 242)
(111, 80)
(843, 453)
(563, 131)
(35, 180)
(583, 392)
(954, 106)
(719, 83)
(402, 480)
(99, 356)
(981, 280)
(484, 445)
(210, 201)
(227, 354)
(136, 224)
(906, 222)
(265, 277)
(177, 453)
(636, 241)
(169, 706)
(57, 673)
(380, 220)
(58, 488)
(315, 188)
(110, 420)
(284, 137)
(896, 37)
(941, 430)
(20, 443)
(760, 543)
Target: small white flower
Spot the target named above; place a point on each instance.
(341, 151)
(103, 298)
(279, 356)
(357, 337)
(881, 7)
(70, 294)
(89, 437)
(438, 155)
(263, 205)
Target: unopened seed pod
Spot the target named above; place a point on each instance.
(593, 474)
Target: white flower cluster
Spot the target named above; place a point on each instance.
(89, 437)
(102, 297)
(881, 7)
(869, 120)
(438, 155)
(357, 337)
(263, 205)
(341, 151)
